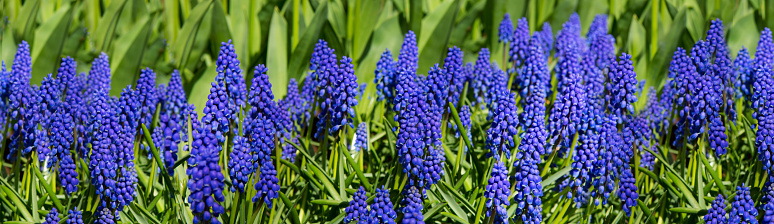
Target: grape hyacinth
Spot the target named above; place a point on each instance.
(606, 166)
(717, 213)
(99, 75)
(743, 208)
(505, 31)
(497, 193)
(147, 96)
(535, 71)
(413, 198)
(529, 191)
(205, 178)
(52, 217)
(106, 216)
(482, 73)
(260, 130)
(357, 210)
(454, 74)
(743, 68)
(564, 121)
(289, 151)
(621, 87)
(75, 217)
(267, 187)
(519, 43)
(240, 165)
(546, 39)
(21, 103)
(499, 137)
(382, 209)
(763, 62)
(385, 76)
(361, 137)
(627, 190)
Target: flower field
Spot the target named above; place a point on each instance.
(536, 121)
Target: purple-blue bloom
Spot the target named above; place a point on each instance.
(519, 43)
(743, 208)
(357, 210)
(413, 198)
(382, 209)
(75, 217)
(497, 192)
(621, 88)
(205, 177)
(361, 137)
(505, 31)
(21, 104)
(627, 190)
(52, 217)
(240, 164)
(717, 212)
(385, 76)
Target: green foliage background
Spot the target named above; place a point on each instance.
(186, 35)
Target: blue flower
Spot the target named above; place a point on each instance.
(584, 158)
(568, 37)
(606, 166)
(293, 101)
(683, 74)
(724, 71)
(535, 70)
(528, 191)
(765, 117)
(99, 75)
(767, 201)
(497, 192)
(230, 74)
(205, 177)
(21, 104)
(68, 176)
(172, 121)
(385, 76)
(52, 217)
(361, 137)
(106, 216)
(505, 31)
(240, 165)
(717, 212)
(413, 198)
(743, 68)
(546, 39)
(147, 96)
(410, 144)
(267, 185)
(627, 190)
(289, 151)
(518, 44)
(621, 88)
(743, 208)
(343, 97)
(409, 54)
(465, 117)
(499, 137)
(598, 27)
(565, 118)
(454, 74)
(219, 111)
(382, 209)
(75, 217)
(482, 73)
(357, 210)
(103, 164)
(763, 62)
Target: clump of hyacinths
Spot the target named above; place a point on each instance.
(558, 134)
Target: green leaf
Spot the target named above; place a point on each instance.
(103, 38)
(437, 26)
(367, 15)
(277, 56)
(452, 202)
(302, 52)
(454, 217)
(192, 40)
(221, 31)
(127, 57)
(50, 38)
(24, 25)
(20, 206)
(8, 46)
(291, 207)
(696, 211)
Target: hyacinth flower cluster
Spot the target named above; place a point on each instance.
(75, 217)
(21, 104)
(173, 116)
(717, 213)
(743, 208)
(385, 79)
(497, 192)
(206, 181)
(227, 95)
(52, 217)
(405, 77)
(455, 74)
(499, 137)
(357, 210)
(743, 71)
(411, 204)
(260, 130)
(763, 93)
(518, 44)
(482, 76)
(568, 48)
(336, 89)
(465, 119)
(361, 137)
(505, 30)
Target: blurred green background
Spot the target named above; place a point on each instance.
(186, 34)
